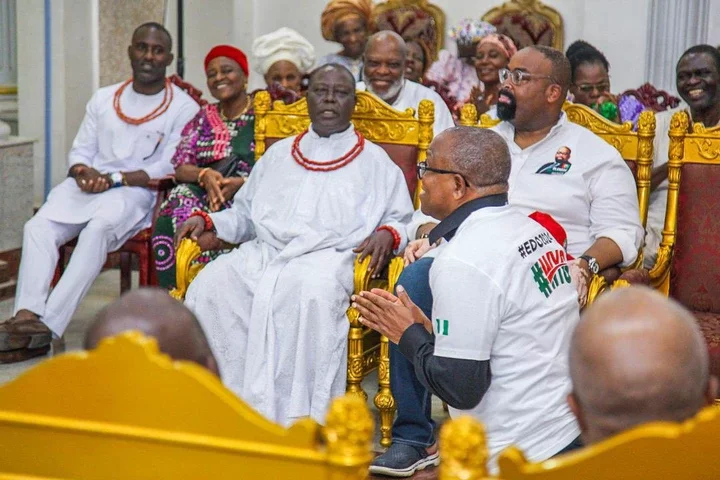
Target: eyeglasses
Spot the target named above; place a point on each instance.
(422, 167)
(519, 77)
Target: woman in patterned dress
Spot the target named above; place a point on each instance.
(213, 159)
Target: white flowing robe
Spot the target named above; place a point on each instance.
(108, 144)
(274, 308)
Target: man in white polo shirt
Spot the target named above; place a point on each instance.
(558, 167)
(504, 307)
(384, 76)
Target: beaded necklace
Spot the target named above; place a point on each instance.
(162, 108)
(330, 165)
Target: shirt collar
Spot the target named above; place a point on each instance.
(448, 227)
(348, 132)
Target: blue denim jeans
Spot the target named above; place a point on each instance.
(414, 424)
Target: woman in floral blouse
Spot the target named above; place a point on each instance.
(213, 159)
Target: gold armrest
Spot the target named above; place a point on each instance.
(185, 271)
(596, 287)
(661, 269)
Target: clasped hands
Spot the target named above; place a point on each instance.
(387, 314)
(90, 180)
(219, 188)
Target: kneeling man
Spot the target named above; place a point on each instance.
(503, 311)
(274, 309)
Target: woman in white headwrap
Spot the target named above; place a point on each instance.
(282, 57)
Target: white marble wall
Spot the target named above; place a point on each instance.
(16, 185)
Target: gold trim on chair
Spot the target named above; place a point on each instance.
(534, 7)
(379, 123)
(658, 450)
(142, 415)
(701, 146)
(185, 271)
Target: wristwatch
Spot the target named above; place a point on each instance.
(117, 179)
(592, 263)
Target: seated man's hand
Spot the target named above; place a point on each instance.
(192, 228)
(416, 249)
(387, 314)
(209, 241)
(379, 247)
(90, 180)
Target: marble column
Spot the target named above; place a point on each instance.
(8, 69)
(118, 20)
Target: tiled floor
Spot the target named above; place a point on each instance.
(105, 289)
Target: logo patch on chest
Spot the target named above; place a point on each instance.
(560, 166)
(551, 271)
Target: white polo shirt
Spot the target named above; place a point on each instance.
(502, 292)
(592, 195)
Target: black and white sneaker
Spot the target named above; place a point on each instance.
(402, 460)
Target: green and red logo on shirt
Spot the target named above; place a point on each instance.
(551, 271)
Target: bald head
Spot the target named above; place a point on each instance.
(153, 312)
(386, 38)
(637, 357)
(479, 160)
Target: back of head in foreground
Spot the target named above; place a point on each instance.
(155, 313)
(637, 357)
(480, 161)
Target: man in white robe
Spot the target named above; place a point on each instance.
(103, 202)
(698, 83)
(384, 76)
(274, 309)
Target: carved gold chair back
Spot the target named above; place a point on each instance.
(661, 451)
(125, 410)
(688, 250)
(406, 139)
(413, 20)
(528, 22)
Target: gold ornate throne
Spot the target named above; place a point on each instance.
(528, 22)
(406, 139)
(413, 20)
(635, 147)
(660, 451)
(688, 260)
(125, 410)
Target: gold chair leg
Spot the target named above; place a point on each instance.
(355, 357)
(384, 400)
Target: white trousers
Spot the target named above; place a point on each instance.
(41, 240)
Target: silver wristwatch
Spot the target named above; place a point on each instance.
(592, 263)
(117, 179)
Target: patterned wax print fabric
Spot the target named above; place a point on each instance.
(207, 139)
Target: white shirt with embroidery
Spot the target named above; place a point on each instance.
(502, 292)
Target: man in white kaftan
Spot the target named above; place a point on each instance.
(274, 308)
(108, 152)
(384, 76)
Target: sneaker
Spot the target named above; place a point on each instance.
(402, 460)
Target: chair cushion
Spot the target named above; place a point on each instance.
(405, 157)
(710, 326)
(695, 270)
